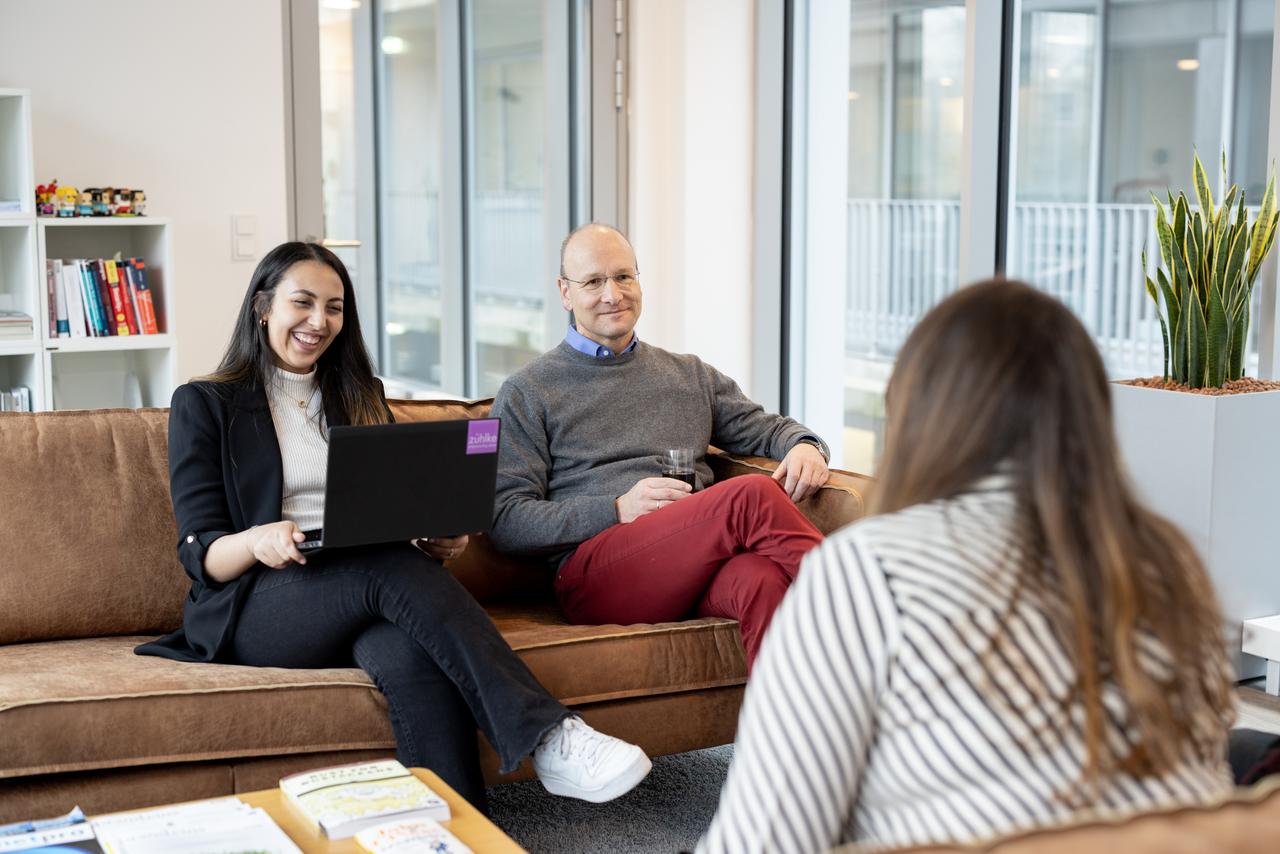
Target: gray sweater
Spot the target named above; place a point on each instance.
(579, 431)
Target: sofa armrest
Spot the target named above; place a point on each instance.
(1245, 822)
(839, 502)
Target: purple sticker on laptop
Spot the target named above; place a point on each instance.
(482, 436)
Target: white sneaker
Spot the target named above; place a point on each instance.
(575, 761)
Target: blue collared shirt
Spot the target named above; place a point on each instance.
(583, 344)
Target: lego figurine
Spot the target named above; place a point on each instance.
(84, 202)
(100, 201)
(139, 203)
(123, 199)
(65, 201)
(45, 202)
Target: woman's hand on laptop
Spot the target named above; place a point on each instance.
(443, 548)
(276, 545)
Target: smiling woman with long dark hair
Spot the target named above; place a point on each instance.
(248, 447)
(1010, 640)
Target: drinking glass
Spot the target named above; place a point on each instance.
(677, 463)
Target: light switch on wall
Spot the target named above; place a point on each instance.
(244, 237)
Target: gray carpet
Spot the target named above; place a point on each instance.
(665, 813)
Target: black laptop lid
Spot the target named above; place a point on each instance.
(389, 482)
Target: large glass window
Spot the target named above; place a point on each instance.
(1113, 98)
(445, 183)
(906, 127)
(346, 174)
(1109, 99)
(505, 197)
(409, 147)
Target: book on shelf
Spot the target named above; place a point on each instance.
(145, 300)
(15, 325)
(17, 399)
(78, 325)
(345, 799)
(116, 275)
(99, 297)
(59, 326)
(92, 300)
(410, 837)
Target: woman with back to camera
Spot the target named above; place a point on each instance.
(247, 453)
(1011, 640)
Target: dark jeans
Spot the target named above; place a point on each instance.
(1253, 755)
(426, 643)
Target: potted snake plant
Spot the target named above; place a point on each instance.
(1199, 441)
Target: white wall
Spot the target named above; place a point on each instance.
(692, 103)
(182, 99)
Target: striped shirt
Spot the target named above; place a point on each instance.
(881, 712)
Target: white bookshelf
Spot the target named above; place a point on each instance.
(21, 360)
(17, 175)
(75, 373)
(131, 370)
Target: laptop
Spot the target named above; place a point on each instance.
(396, 482)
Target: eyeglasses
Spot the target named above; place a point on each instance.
(594, 285)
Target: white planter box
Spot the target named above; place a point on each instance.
(1211, 465)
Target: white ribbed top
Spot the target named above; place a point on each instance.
(297, 411)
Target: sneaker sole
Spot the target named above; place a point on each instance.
(615, 788)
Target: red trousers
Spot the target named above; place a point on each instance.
(731, 550)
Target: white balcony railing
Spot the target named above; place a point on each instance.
(903, 257)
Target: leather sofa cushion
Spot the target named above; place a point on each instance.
(88, 544)
(89, 540)
(1248, 822)
(80, 705)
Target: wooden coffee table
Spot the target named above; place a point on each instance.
(468, 824)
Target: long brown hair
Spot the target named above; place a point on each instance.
(344, 372)
(1001, 376)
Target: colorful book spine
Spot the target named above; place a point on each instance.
(120, 320)
(146, 305)
(57, 299)
(93, 309)
(131, 276)
(127, 296)
(99, 272)
(51, 300)
(71, 289)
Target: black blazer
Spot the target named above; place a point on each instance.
(225, 476)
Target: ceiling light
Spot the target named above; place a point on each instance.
(1055, 73)
(853, 96)
(1188, 64)
(394, 45)
(945, 82)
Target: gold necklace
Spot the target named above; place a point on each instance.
(302, 404)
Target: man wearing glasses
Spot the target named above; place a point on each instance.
(585, 428)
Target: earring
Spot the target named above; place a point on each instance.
(263, 322)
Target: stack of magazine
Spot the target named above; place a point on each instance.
(15, 326)
(221, 825)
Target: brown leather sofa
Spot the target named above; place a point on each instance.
(88, 569)
(1246, 823)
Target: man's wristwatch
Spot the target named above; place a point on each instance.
(817, 443)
